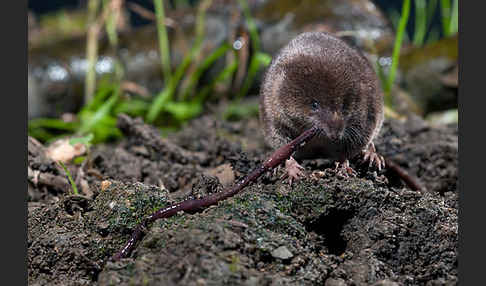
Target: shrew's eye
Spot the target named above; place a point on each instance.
(315, 105)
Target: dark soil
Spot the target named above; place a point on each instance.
(323, 230)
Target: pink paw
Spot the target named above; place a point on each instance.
(371, 155)
(343, 169)
(293, 170)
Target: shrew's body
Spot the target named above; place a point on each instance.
(318, 80)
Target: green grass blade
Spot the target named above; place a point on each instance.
(102, 94)
(91, 51)
(100, 114)
(163, 40)
(252, 28)
(132, 107)
(85, 140)
(201, 21)
(433, 33)
(46, 129)
(110, 23)
(52, 123)
(453, 27)
(433, 36)
(445, 6)
(167, 93)
(264, 59)
(226, 73)
(380, 72)
(431, 7)
(238, 111)
(156, 107)
(206, 63)
(396, 50)
(255, 61)
(420, 22)
(259, 59)
(71, 181)
(183, 111)
(252, 71)
(200, 30)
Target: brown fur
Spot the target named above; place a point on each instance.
(318, 67)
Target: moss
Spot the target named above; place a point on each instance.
(124, 206)
(235, 260)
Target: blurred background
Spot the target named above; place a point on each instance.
(171, 61)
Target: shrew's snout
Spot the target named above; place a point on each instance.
(332, 125)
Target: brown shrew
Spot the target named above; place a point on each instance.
(318, 80)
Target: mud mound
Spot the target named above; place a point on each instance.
(322, 230)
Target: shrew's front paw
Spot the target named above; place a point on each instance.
(369, 154)
(293, 170)
(343, 169)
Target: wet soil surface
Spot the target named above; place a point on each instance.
(322, 230)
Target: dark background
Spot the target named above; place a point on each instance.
(42, 6)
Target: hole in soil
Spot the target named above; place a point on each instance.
(329, 226)
(265, 257)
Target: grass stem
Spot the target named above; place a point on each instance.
(453, 27)
(420, 22)
(396, 50)
(163, 41)
(445, 6)
(71, 181)
(91, 50)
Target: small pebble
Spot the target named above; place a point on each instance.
(282, 253)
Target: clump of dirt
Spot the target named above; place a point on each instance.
(322, 230)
